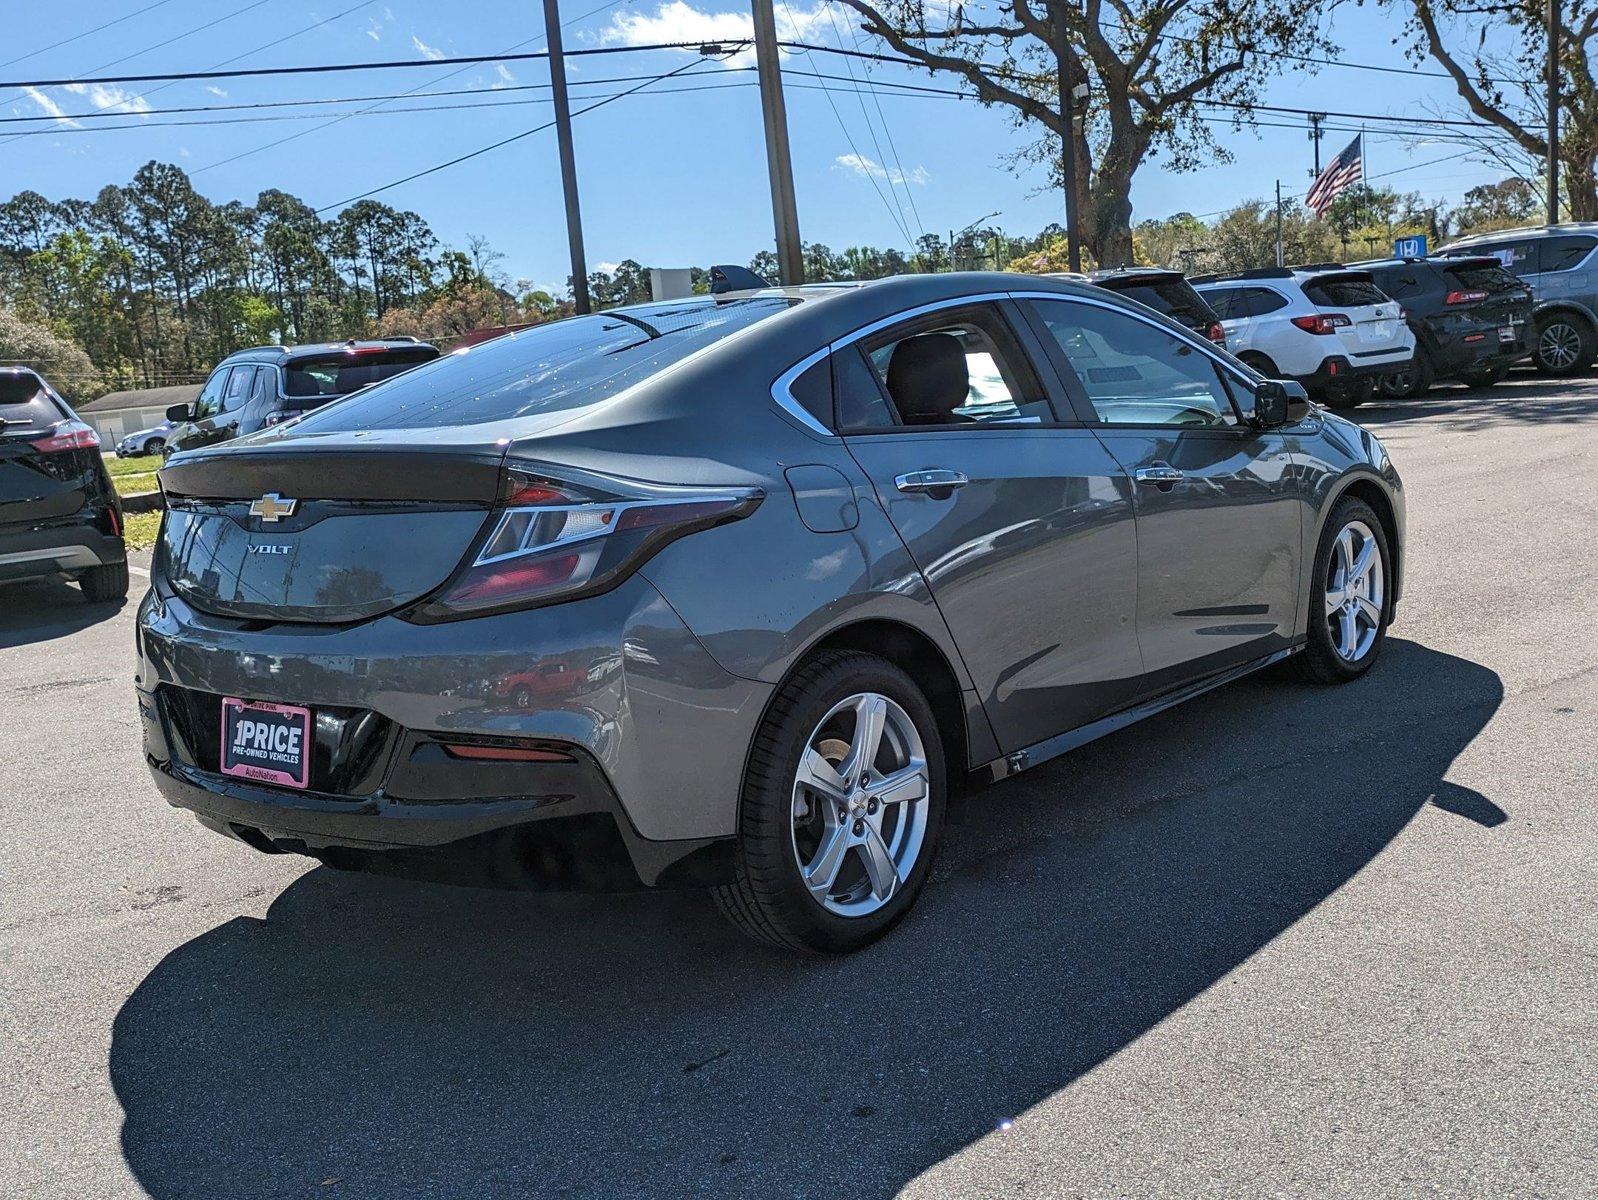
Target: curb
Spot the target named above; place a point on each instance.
(141, 502)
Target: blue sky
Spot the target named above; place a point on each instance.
(667, 179)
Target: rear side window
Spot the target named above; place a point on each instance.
(957, 372)
(1482, 277)
(559, 367)
(1518, 258)
(25, 407)
(1256, 302)
(1566, 253)
(1404, 284)
(1225, 302)
(349, 371)
(1343, 291)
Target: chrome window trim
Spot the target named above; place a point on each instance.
(784, 399)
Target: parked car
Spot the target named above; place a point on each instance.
(258, 388)
(1558, 264)
(1470, 317)
(1166, 292)
(59, 512)
(1329, 328)
(146, 441)
(797, 576)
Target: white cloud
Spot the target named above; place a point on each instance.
(424, 49)
(609, 268)
(110, 99)
(49, 106)
(374, 30)
(505, 77)
(868, 168)
(216, 91)
(679, 21)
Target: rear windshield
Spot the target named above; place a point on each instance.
(1483, 277)
(1343, 291)
(25, 407)
(1173, 297)
(561, 366)
(344, 372)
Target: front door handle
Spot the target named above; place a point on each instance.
(1161, 475)
(936, 482)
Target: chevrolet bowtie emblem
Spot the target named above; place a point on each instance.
(272, 507)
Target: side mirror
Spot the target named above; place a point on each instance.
(1279, 402)
(180, 413)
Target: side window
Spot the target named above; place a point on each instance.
(1566, 253)
(812, 390)
(1259, 301)
(1134, 373)
(265, 377)
(957, 370)
(1519, 258)
(238, 388)
(209, 401)
(1224, 302)
(1400, 285)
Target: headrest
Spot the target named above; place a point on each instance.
(927, 378)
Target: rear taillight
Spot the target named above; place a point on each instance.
(1216, 334)
(1464, 297)
(1322, 322)
(554, 541)
(67, 435)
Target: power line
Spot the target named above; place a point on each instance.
(138, 12)
(538, 37)
(375, 65)
(515, 137)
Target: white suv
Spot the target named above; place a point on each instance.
(1333, 330)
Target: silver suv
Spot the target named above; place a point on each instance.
(1558, 263)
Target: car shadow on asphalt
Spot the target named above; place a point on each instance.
(46, 609)
(1544, 402)
(404, 1039)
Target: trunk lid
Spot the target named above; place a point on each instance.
(324, 530)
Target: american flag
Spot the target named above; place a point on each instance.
(1342, 171)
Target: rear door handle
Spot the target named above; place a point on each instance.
(1161, 475)
(931, 482)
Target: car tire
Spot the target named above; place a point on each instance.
(1414, 380)
(1345, 396)
(1564, 345)
(1334, 655)
(154, 446)
(787, 827)
(109, 582)
(1258, 361)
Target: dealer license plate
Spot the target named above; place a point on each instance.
(267, 742)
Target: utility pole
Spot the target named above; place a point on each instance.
(1280, 257)
(568, 160)
(1315, 120)
(779, 163)
(1553, 111)
(1062, 50)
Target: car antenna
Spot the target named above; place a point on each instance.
(726, 278)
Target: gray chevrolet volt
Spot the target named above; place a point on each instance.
(734, 591)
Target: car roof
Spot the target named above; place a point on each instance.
(282, 354)
(1528, 231)
(1135, 273)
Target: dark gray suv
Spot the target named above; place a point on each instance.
(733, 591)
(1559, 263)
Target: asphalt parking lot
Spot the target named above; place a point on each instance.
(1285, 940)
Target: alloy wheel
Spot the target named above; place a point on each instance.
(1559, 346)
(861, 800)
(1355, 591)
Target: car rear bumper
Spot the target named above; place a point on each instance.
(654, 728)
(1338, 369)
(66, 547)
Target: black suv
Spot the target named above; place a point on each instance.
(59, 512)
(1166, 292)
(267, 385)
(1472, 320)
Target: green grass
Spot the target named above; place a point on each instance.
(133, 475)
(140, 529)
